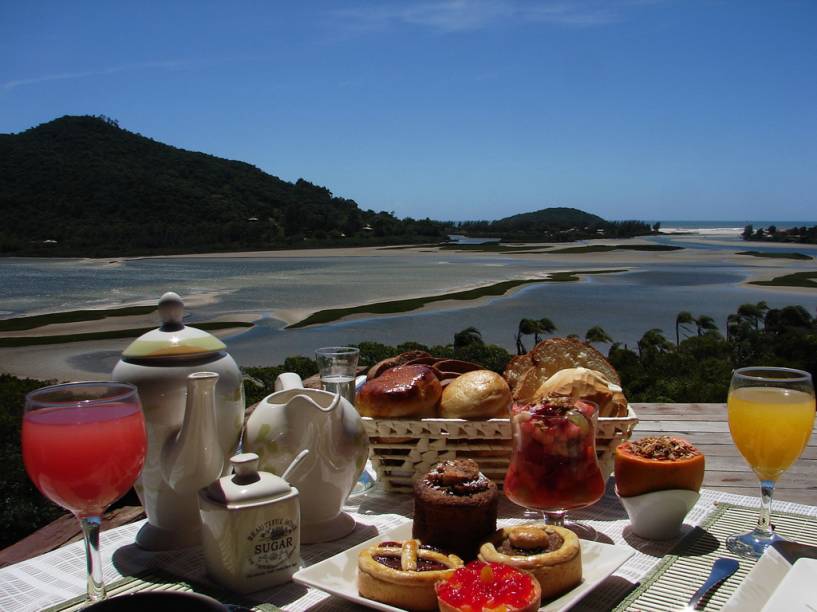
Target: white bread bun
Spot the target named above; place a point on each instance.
(480, 394)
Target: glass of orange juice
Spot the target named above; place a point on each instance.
(771, 415)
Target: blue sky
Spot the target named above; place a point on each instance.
(455, 110)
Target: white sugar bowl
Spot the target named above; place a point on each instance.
(251, 532)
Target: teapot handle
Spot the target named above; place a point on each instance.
(288, 380)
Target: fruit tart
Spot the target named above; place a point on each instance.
(658, 463)
(552, 554)
(403, 574)
(481, 586)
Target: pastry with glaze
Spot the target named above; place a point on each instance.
(404, 391)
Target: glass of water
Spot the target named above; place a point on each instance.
(338, 366)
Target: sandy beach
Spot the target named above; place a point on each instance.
(84, 360)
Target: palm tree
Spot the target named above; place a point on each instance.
(526, 328)
(705, 323)
(597, 334)
(733, 324)
(653, 341)
(683, 319)
(467, 337)
(751, 313)
(543, 326)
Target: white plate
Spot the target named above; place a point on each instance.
(338, 575)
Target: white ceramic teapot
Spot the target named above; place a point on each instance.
(159, 363)
(293, 419)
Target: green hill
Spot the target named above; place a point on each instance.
(552, 216)
(84, 186)
(556, 224)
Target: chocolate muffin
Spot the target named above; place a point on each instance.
(455, 507)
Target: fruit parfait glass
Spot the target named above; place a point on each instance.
(553, 466)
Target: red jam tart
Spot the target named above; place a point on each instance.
(493, 587)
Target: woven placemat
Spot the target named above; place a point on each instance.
(673, 581)
(160, 581)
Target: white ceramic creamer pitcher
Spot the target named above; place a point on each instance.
(159, 364)
(293, 419)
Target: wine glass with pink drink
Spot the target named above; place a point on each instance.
(83, 447)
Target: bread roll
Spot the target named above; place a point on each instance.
(582, 383)
(554, 354)
(398, 360)
(516, 368)
(404, 391)
(480, 394)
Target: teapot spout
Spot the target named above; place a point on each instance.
(193, 458)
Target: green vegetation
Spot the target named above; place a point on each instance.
(802, 234)
(17, 341)
(23, 508)
(73, 316)
(789, 255)
(797, 279)
(698, 367)
(556, 224)
(395, 306)
(82, 186)
(606, 248)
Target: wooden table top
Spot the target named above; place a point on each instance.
(704, 425)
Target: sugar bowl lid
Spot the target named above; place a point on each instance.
(173, 339)
(247, 486)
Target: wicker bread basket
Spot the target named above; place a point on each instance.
(402, 450)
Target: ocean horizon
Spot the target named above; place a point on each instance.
(721, 227)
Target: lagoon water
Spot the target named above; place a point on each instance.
(624, 304)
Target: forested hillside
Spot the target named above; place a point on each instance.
(85, 186)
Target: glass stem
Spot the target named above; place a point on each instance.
(90, 531)
(555, 518)
(764, 520)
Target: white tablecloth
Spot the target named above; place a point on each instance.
(60, 574)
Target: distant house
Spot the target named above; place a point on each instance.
(368, 228)
(253, 219)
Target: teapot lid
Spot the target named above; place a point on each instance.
(173, 338)
(247, 486)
